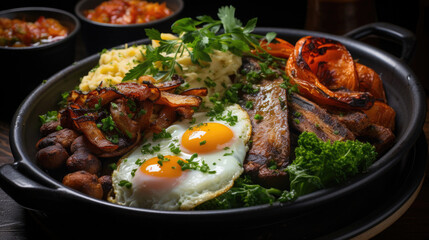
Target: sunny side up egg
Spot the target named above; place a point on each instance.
(186, 165)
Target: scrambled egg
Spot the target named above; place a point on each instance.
(112, 67)
(214, 75)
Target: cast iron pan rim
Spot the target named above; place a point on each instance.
(386, 162)
(78, 12)
(31, 10)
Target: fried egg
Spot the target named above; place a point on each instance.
(187, 164)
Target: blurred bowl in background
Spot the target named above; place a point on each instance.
(24, 68)
(98, 36)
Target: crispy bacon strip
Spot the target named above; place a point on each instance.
(102, 97)
(139, 92)
(77, 97)
(174, 100)
(86, 124)
(166, 117)
(145, 79)
(186, 112)
(175, 82)
(119, 111)
(202, 92)
(130, 119)
(96, 137)
(121, 151)
(144, 115)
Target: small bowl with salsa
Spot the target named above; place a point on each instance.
(35, 43)
(109, 23)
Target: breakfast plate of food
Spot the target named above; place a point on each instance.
(217, 120)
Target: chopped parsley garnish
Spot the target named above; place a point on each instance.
(146, 148)
(113, 138)
(217, 113)
(64, 97)
(210, 83)
(249, 105)
(132, 105)
(195, 165)
(141, 112)
(125, 183)
(162, 159)
(162, 134)
(272, 165)
(174, 149)
(193, 120)
(113, 166)
(139, 162)
(114, 105)
(50, 116)
(107, 124)
(97, 106)
(258, 117)
(229, 154)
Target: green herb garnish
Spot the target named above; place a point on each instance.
(199, 38)
(258, 117)
(125, 183)
(244, 193)
(162, 134)
(195, 165)
(50, 116)
(320, 164)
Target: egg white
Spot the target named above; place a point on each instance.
(193, 187)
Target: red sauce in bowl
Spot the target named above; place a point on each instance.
(128, 12)
(20, 33)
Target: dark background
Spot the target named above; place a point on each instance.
(412, 15)
(288, 14)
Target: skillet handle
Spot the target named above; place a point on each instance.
(389, 31)
(27, 192)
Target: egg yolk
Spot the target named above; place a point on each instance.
(166, 166)
(207, 137)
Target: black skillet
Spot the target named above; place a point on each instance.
(34, 189)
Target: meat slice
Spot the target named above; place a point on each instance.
(356, 121)
(381, 137)
(270, 151)
(306, 116)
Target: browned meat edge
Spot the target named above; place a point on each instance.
(306, 116)
(269, 153)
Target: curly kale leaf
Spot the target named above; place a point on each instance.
(244, 193)
(320, 164)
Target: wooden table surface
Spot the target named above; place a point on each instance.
(412, 222)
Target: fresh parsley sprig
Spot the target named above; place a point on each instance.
(148, 67)
(199, 38)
